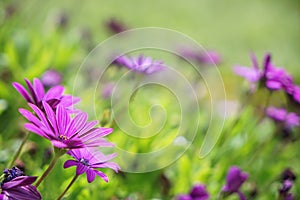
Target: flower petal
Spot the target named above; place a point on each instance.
(90, 174)
(70, 163)
(22, 91)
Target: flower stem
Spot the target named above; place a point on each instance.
(58, 154)
(68, 187)
(18, 152)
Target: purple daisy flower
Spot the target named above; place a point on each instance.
(290, 120)
(17, 186)
(62, 130)
(208, 57)
(234, 180)
(88, 161)
(273, 77)
(198, 192)
(51, 78)
(54, 96)
(140, 64)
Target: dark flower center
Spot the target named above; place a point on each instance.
(12, 173)
(84, 162)
(63, 137)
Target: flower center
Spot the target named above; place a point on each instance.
(12, 173)
(84, 162)
(63, 137)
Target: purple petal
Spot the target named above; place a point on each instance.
(68, 100)
(34, 129)
(252, 75)
(19, 181)
(90, 174)
(30, 117)
(23, 92)
(273, 85)
(39, 89)
(31, 89)
(51, 116)
(59, 144)
(62, 118)
(54, 93)
(81, 169)
(28, 192)
(70, 163)
(102, 175)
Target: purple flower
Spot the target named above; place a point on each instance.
(198, 192)
(88, 161)
(51, 78)
(62, 130)
(140, 64)
(107, 90)
(115, 26)
(296, 93)
(290, 120)
(234, 180)
(251, 74)
(274, 78)
(284, 190)
(208, 57)
(17, 186)
(54, 96)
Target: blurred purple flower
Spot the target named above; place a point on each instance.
(54, 96)
(107, 90)
(290, 120)
(141, 64)
(51, 78)
(88, 161)
(198, 192)
(207, 57)
(234, 180)
(17, 186)
(115, 26)
(296, 93)
(62, 130)
(273, 77)
(284, 190)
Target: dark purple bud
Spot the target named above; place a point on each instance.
(234, 180)
(199, 192)
(288, 174)
(115, 26)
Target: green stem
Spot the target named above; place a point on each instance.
(17, 153)
(58, 154)
(68, 187)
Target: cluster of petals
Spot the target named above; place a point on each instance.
(140, 64)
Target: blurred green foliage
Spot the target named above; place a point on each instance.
(39, 35)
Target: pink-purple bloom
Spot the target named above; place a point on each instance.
(274, 78)
(290, 119)
(284, 190)
(140, 64)
(88, 161)
(234, 180)
(36, 94)
(198, 192)
(205, 57)
(16, 186)
(51, 78)
(62, 130)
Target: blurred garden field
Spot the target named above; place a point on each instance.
(38, 36)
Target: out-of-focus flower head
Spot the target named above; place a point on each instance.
(198, 192)
(140, 64)
(51, 78)
(16, 185)
(88, 160)
(290, 119)
(234, 180)
(204, 57)
(274, 78)
(115, 26)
